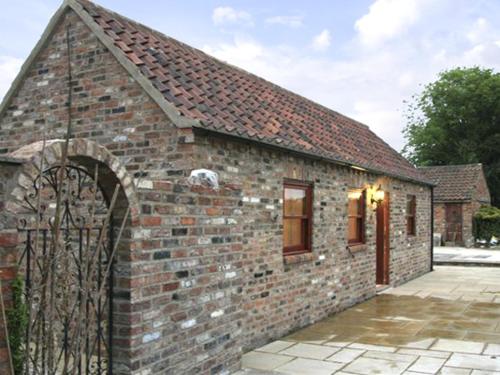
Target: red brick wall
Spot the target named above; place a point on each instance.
(203, 272)
(482, 192)
(179, 271)
(279, 296)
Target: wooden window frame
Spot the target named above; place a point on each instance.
(306, 245)
(411, 214)
(362, 216)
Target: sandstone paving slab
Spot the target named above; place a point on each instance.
(474, 362)
(427, 365)
(310, 351)
(346, 355)
(254, 372)
(381, 335)
(425, 353)
(419, 343)
(492, 338)
(275, 346)
(304, 366)
(459, 346)
(264, 361)
(371, 366)
(492, 349)
(340, 343)
(399, 357)
(378, 348)
(454, 371)
(481, 372)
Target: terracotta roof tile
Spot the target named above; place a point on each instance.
(454, 182)
(227, 99)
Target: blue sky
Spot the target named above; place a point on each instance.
(363, 58)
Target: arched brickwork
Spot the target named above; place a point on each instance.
(81, 151)
(86, 154)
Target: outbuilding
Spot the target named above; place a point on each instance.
(311, 211)
(459, 193)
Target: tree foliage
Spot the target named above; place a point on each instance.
(487, 223)
(17, 322)
(456, 120)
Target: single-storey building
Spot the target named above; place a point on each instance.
(253, 211)
(459, 193)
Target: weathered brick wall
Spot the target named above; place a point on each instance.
(482, 193)
(8, 246)
(468, 210)
(178, 284)
(280, 296)
(440, 219)
(203, 274)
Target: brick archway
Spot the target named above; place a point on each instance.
(82, 151)
(112, 172)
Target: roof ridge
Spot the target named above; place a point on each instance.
(197, 50)
(449, 165)
(197, 90)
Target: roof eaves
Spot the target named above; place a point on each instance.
(310, 155)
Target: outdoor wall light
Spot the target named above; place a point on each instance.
(354, 194)
(377, 196)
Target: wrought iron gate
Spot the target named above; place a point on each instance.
(68, 274)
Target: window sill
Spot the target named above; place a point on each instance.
(356, 248)
(298, 258)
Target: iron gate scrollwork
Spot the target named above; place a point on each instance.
(68, 274)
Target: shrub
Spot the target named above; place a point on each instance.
(487, 223)
(17, 322)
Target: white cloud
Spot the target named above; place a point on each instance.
(228, 15)
(239, 53)
(9, 68)
(322, 41)
(387, 19)
(291, 21)
(479, 31)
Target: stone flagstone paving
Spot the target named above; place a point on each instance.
(445, 322)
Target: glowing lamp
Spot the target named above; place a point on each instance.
(378, 196)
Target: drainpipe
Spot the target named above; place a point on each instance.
(432, 228)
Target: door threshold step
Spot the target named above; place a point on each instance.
(381, 287)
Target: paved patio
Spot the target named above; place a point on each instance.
(464, 256)
(445, 322)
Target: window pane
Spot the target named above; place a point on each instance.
(292, 232)
(360, 230)
(354, 207)
(295, 202)
(411, 225)
(353, 229)
(410, 205)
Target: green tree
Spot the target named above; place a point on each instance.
(17, 322)
(456, 120)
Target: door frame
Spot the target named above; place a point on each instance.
(448, 207)
(382, 256)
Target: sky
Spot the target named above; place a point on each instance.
(363, 58)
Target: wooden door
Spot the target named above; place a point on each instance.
(453, 222)
(383, 236)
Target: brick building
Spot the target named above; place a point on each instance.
(312, 210)
(459, 193)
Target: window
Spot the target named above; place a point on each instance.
(297, 217)
(411, 215)
(356, 216)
